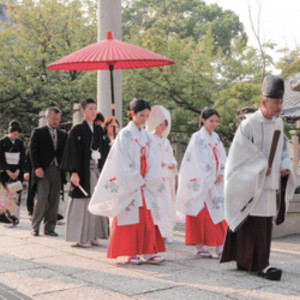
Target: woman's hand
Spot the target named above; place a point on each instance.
(9, 173)
(16, 174)
(219, 179)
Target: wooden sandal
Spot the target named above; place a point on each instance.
(135, 260)
(155, 260)
(204, 254)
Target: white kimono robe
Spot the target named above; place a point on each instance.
(118, 191)
(247, 190)
(197, 176)
(166, 204)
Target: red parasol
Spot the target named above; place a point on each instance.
(110, 54)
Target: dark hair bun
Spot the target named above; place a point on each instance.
(14, 126)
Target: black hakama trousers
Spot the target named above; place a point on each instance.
(250, 245)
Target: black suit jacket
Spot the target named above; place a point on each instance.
(41, 149)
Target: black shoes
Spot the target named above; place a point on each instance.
(51, 233)
(35, 233)
(271, 274)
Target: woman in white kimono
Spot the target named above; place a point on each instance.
(200, 193)
(127, 190)
(159, 124)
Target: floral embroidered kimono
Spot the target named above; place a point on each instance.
(166, 204)
(127, 190)
(198, 196)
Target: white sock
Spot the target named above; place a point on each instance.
(199, 247)
(266, 269)
(148, 256)
(219, 249)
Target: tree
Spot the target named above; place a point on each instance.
(209, 48)
(44, 31)
(188, 18)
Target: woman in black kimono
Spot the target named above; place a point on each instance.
(12, 157)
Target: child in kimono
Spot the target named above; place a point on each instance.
(127, 190)
(159, 123)
(200, 194)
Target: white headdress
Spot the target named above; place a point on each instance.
(158, 115)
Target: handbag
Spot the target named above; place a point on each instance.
(14, 187)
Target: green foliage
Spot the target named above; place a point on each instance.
(209, 48)
(214, 67)
(232, 99)
(44, 31)
(184, 18)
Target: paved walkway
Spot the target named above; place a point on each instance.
(49, 268)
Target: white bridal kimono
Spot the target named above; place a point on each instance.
(197, 176)
(118, 191)
(166, 204)
(248, 191)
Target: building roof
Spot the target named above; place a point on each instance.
(291, 97)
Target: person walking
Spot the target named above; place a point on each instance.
(127, 190)
(251, 184)
(200, 193)
(159, 124)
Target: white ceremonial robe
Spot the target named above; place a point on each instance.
(247, 190)
(197, 176)
(118, 191)
(166, 204)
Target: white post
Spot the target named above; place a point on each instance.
(109, 19)
(42, 118)
(77, 115)
(295, 142)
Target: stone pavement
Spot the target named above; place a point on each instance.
(49, 268)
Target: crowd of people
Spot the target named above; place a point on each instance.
(123, 184)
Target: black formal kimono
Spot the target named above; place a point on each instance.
(81, 226)
(77, 154)
(12, 164)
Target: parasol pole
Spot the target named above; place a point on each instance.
(111, 68)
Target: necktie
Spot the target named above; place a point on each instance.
(54, 138)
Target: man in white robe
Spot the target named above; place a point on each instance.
(251, 185)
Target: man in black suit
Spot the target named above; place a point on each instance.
(46, 148)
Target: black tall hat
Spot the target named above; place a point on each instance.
(273, 87)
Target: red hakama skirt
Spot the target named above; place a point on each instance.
(202, 230)
(136, 239)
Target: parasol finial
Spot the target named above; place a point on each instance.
(109, 35)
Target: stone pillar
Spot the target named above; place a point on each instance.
(42, 118)
(77, 115)
(294, 152)
(109, 19)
